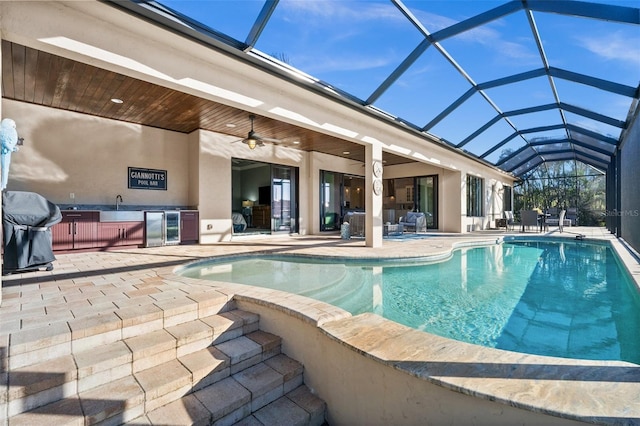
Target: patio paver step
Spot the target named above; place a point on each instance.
(259, 395)
(45, 382)
(214, 369)
(43, 341)
(298, 407)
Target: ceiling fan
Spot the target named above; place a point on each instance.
(253, 139)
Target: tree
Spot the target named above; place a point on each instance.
(564, 184)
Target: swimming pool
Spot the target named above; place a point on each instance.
(562, 298)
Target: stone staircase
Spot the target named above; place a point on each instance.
(141, 365)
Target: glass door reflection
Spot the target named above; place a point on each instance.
(281, 199)
(427, 198)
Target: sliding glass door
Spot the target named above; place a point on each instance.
(427, 198)
(339, 195)
(264, 197)
(331, 200)
(283, 199)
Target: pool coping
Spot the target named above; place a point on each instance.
(628, 259)
(85, 284)
(601, 392)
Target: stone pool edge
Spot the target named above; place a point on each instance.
(601, 392)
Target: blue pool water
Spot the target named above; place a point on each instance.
(565, 299)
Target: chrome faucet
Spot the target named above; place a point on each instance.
(118, 201)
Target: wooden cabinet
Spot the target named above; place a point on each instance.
(110, 234)
(62, 236)
(261, 217)
(77, 230)
(404, 195)
(189, 227)
(83, 230)
(114, 234)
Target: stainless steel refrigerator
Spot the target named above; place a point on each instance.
(154, 229)
(162, 228)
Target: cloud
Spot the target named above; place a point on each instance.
(344, 63)
(614, 46)
(433, 22)
(331, 26)
(486, 35)
(343, 22)
(333, 11)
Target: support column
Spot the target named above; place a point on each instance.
(373, 202)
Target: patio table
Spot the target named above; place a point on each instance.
(392, 229)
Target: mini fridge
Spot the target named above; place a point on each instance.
(171, 227)
(162, 228)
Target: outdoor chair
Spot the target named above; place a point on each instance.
(414, 220)
(529, 218)
(508, 215)
(552, 216)
(543, 219)
(571, 217)
(561, 220)
(356, 223)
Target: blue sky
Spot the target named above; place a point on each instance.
(355, 45)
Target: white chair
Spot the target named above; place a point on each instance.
(508, 215)
(561, 220)
(356, 223)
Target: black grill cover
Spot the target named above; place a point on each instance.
(26, 219)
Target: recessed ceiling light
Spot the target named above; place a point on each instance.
(117, 101)
(230, 125)
(346, 152)
(296, 142)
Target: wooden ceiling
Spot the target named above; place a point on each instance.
(37, 77)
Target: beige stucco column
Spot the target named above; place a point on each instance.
(211, 184)
(373, 202)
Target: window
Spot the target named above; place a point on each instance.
(506, 199)
(475, 190)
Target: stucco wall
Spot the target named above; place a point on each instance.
(215, 180)
(361, 391)
(493, 201)
(66, 152)
(194, 168)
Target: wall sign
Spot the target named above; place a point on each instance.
(147, 179)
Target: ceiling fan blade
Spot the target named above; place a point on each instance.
(266, 139)
(271, 140)
(255, 138)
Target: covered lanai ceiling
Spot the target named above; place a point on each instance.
(515, 84)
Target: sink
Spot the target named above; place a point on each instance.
(121, 216)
